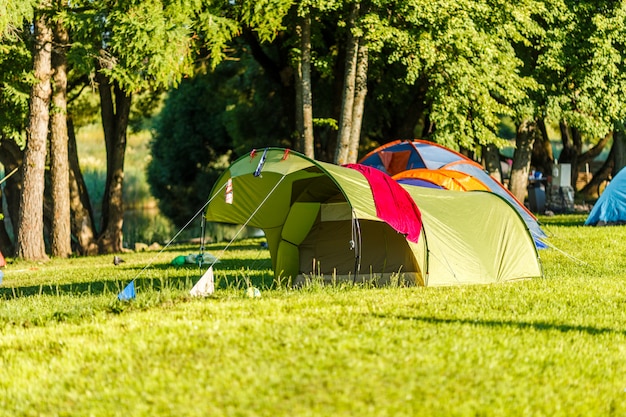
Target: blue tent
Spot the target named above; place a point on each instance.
(611, 206)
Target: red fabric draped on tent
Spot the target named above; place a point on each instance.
(393, 204)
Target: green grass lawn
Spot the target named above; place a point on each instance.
(554, 346)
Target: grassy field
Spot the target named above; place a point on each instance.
(554, 346)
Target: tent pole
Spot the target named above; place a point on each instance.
(356, 245)
(200, 257)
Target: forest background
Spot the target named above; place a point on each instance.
(330, 78)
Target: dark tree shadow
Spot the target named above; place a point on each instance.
(564, 328)
(235, 273)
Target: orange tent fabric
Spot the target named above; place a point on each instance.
(450, 180)
(395, 161)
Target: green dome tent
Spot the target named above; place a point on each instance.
(336, 221)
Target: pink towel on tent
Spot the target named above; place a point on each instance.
(393, 204)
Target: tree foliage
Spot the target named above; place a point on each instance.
(13, 14)
(15, 60)
(437, 69)
(205, 122)
(578, 61)
(460, 55)
(575, 54)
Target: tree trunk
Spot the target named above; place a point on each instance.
(566, 141)
(60, 239)
(592, 189)
(11, 160)
(524, 141)
(543, 157)
(619, 145)
(347, 108)
(491, 160)
(307, 93)
(299, 93)
(11, 157)
(6, 247)
(82, 224)
(359, 103)
(30, 242)
(115, 123)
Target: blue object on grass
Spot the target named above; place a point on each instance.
(127, 293)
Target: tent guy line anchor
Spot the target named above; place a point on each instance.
(203, 289)
(129, 290)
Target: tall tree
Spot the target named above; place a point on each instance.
(358, 106)
(578, 60)
(60, 235)
(303, 87)
(349, 89)
(138, 46)
(15, 61)
(29, 235)
(115, 112)
(82, 219)
(524, 141)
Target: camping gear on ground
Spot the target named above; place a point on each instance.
(560, 193)
(356, 223)
(404, 155)
(191, 259)
(610, 209)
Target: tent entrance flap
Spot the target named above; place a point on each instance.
(328, 250)
(297, 225)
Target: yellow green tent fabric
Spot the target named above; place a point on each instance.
(474, 237)
(320, 219)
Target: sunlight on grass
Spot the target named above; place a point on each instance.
(552, 346)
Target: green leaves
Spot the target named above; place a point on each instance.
(13, 14)
(462, 53)
(580, 64)
(14, 90)
(265, 16)
(147, 44)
